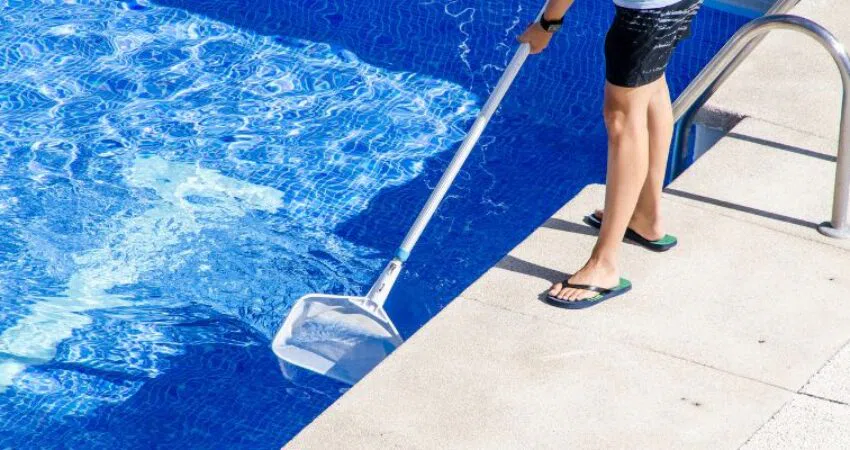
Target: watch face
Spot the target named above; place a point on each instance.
(549, 26)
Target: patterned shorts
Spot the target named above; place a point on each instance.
(639, 44)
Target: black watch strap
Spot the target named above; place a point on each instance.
(551, 25)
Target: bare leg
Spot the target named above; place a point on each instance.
(626, 114)
(647, 220)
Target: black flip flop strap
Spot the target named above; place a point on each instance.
(587, 287)
(631, 234)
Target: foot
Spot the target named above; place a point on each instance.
(594, 274)
(650, 228)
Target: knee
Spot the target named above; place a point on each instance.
(616, 119)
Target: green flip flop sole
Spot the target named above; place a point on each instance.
(660, 245)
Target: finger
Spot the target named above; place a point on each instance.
(524, 37)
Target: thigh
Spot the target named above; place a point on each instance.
(630, 99)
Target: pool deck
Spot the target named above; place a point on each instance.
(736, 338)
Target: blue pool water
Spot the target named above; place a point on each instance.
(174, 173)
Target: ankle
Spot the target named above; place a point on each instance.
(651, 216)
(603, 261)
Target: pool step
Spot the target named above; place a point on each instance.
(767, 175)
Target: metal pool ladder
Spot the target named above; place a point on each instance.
(718, 70)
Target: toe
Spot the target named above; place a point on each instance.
(555, 289)
(586, 295)
(598, 213)
(581, 294)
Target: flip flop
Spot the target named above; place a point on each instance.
(603, 294)
(660, 245)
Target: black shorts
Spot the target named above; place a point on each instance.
(639, 44)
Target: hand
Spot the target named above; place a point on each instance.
(536, 37)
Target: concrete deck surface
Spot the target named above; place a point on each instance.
(716, 337)
(789, 79)
(736, 338)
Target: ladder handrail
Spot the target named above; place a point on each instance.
(689, 96)
(724, 64)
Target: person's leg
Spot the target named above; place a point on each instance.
(647, 219)
(638, 118)
(626, 113)
(660, 124)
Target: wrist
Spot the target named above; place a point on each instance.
(550, 25)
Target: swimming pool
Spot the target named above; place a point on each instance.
(174, 173)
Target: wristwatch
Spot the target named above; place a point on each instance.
(551, 25)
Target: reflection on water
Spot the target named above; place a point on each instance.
(159, 170)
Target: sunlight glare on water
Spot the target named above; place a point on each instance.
(158, 166)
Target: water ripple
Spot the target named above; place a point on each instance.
(159, 171)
